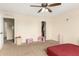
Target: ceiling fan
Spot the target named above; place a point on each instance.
(45, 6)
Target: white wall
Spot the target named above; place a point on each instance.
(69, 30)
(30, 26)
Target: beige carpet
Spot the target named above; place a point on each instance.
(33, 49)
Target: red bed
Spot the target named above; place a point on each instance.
(63, 50)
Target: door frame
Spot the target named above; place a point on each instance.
(13, 25)
(2, 33)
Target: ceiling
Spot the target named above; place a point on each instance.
(25, 9)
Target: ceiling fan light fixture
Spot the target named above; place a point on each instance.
(45, 7)
(44, 10)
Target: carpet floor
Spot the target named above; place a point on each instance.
(33, 49)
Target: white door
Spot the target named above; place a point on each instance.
(1, 32)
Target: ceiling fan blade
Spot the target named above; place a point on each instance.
(35, 6)
(55, 4)
(49, 10)
(40, 10)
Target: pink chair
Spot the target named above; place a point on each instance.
(29, 40)
(41, 39)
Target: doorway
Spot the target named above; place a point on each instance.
(43, 30)
(8, 30)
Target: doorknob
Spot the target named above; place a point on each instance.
(1, 32)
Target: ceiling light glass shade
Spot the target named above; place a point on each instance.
(43, 9)
(46, 10)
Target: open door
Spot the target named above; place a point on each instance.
(1, 32)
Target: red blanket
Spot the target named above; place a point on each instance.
(63, 50)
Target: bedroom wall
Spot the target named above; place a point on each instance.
(58, 28)
(67, 25)
(30, 27)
